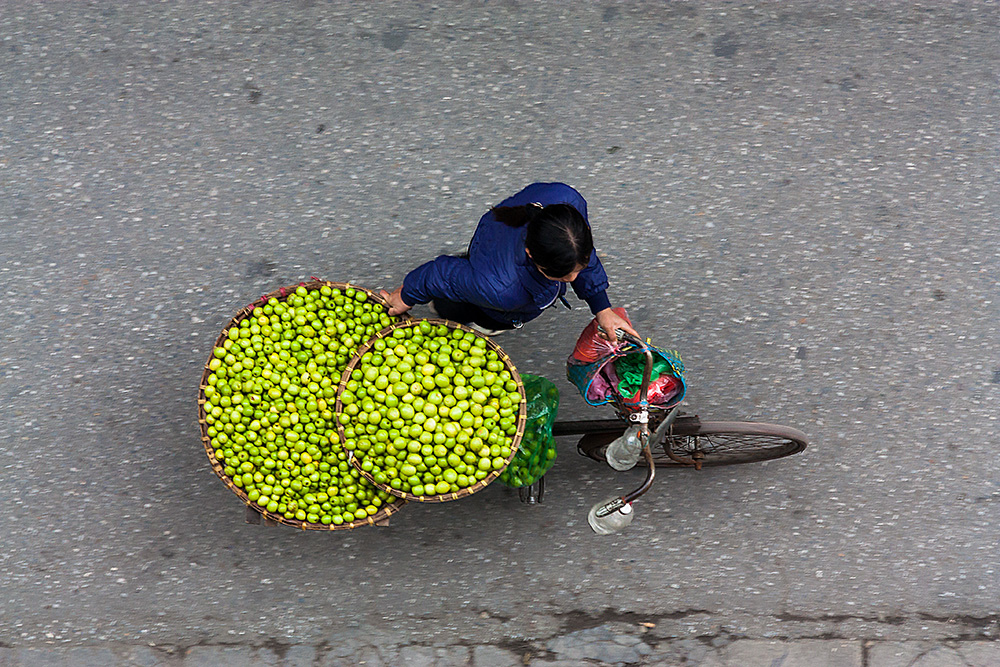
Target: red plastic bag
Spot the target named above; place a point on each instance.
(591, 345)
(661, 391)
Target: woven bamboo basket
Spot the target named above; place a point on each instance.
(379, 518)
(522, 415)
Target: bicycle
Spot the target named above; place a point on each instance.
(679, 440)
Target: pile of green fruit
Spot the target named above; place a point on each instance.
(430, 410)
(537, 451)
(268, 408)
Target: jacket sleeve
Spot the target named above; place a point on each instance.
(447, 277)
(592, 284)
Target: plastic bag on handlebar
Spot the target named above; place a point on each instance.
(601, 380)
(537, 451)
(591, 345)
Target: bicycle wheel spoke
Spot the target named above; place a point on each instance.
(721, 448)
(725, 442)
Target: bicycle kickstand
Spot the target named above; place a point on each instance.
(533, 493)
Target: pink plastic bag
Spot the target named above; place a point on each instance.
(603, 386)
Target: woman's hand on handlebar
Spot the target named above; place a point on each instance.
(609, 320)
(395, 300)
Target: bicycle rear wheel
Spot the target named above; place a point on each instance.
(726, 443)
(705, 443)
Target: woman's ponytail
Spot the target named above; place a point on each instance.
(517, 216)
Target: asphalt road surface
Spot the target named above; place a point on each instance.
(801, 198)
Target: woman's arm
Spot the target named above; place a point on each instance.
(446, 277)
(591, 286)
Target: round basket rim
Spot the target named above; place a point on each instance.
(522, 414)
(281, 294)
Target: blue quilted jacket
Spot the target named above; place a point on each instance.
(498, 276)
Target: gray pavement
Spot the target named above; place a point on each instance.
(601, 646)
(800, 197)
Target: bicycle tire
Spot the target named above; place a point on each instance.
(727, 443)
(715, 443)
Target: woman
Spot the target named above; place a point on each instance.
(523, 254)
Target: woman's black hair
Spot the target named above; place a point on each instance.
(558, 237)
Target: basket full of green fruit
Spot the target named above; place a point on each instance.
(430, 410)
(266, 406)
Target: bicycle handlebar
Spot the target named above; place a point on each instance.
(622, 334)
